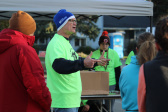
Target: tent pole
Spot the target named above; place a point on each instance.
(151, 23)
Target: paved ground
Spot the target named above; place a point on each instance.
(118, 106)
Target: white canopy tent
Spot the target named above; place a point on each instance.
(46, 9)
(84, 7)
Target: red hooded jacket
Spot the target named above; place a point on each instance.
(22, 82)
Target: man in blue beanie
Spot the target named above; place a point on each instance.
(63, 65)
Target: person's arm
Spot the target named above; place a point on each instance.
(117, 68)
(91, 69)
(33, 77)
(117, 76)
(102, 62)
(63, 66)
(142, 91)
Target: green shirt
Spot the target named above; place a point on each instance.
(65, 88)
(113, 63)
(129, 58)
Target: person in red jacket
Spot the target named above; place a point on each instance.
(22, 82)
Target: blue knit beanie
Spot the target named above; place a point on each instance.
(61, 18)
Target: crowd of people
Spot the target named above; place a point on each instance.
(142, 82)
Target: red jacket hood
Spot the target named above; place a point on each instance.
(9, 37)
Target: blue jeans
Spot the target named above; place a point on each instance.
(65, 109)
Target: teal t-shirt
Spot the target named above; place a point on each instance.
(113, 63)
(65, 89)
(127, 62)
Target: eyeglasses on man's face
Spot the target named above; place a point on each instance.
(72, 20)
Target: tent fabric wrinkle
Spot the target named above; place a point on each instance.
(86, 7)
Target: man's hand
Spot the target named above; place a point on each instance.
(85, 108)
(88, 62)
(103, 61)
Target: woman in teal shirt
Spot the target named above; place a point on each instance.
(128, 82)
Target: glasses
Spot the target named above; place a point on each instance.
(72, 21)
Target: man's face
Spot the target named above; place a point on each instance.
(104, 46)
(70, 26)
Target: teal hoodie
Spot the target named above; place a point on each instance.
(128, 84)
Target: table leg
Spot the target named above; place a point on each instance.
(101, 104)
(109, 105)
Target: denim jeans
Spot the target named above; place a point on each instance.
(65, 109)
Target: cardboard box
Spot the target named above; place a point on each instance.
(94, 83)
